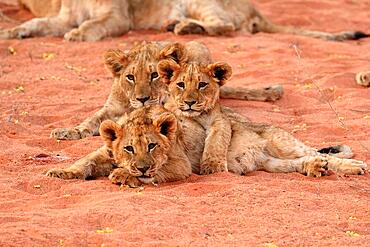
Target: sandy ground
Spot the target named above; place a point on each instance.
(47, 83)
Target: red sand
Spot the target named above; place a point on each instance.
(216, 210)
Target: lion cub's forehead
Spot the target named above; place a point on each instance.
(194, 72)
(142, 54)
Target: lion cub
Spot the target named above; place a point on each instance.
(232, 144)
(145, 146)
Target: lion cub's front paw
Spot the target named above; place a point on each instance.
(120, 176)
(69, 134)
(315, 166)
(212, 167)
(63, 174)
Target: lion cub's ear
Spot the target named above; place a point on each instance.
(110, 131)
(168, 69)
(166, 124)
(115, 60)
(220, 71)
(175, 51)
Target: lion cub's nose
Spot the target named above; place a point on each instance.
(143, 169)
(143, 100)
(190, 103)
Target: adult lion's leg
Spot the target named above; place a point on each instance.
(271, 93)
(56, 26)
(204, 18)
(108, 25)
(96, 164)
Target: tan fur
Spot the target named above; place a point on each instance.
(244, 146)
(144, 147)
(211, 137)
(97, 19)
(141, 63)
(41, 8)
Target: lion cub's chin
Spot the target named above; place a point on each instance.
(190, 114)
(146, 180)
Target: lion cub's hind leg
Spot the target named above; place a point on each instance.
(346, 166)
(312, 166)
(96, 164)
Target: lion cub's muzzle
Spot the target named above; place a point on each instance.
(190, 108)
(144, 101)
(147, 174)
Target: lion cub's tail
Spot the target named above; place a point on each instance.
(271, 93)
(339, 151)
(264, 25)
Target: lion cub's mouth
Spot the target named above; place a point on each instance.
(145, 179)
(190, 112)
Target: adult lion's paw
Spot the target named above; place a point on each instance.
(69, 134)
(315, 166)
(188, 27)
(63, 174)
(81, 35)
(120, 176)
(212, 167)
(14, 33)
(170, 25)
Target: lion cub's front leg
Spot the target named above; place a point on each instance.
(113, 108)
(96, 164)
(214, 158)
(121, 176)
(88, 127)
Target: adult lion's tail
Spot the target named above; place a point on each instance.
(264, 25)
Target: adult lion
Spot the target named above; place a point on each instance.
(91, 20)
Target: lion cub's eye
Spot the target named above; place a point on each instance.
(181, 85)
(129, 149)
(130, 78)
(202, 84)
(154, 76)
(151, 146)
